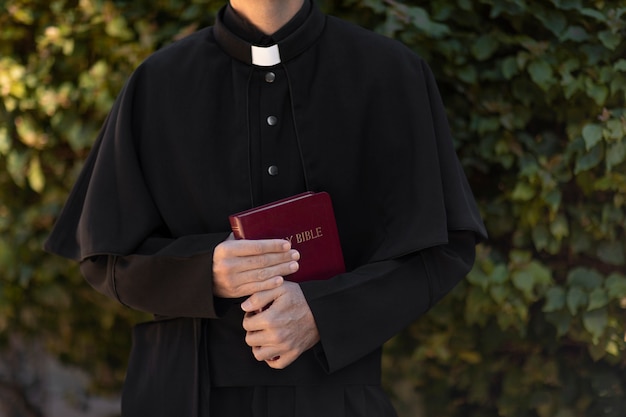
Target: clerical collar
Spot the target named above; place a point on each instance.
(244, 42)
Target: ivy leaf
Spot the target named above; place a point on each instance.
(28, 133)
(509, 67)
(499, 293)
(541, 273)
(592, 134)
(36, 179)
(16, 166)
(553, 21)
(553, 199)
(523, 281)
(117, 27)
(609, 39)
(499, 275)
(611, 252)
(576, 34)
(504, 7)
(597, 352)
(615, 155)
(422, 21)
(617, 129)
(589, 160)
(468, 74)
(616, 286)
(573, 86)
(484, 47)
(595, 322)
(523, 192)
(541, 73)
(620, 65)
(559, 227)
(597, 299)
(568, 4)
(593, 13)
(520, 256)
(5, 141)
(478, 278)
(532, 277)
(555, 299)
(588, 279)
(576, 298)
(598, 92)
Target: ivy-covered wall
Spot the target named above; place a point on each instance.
(536, 94)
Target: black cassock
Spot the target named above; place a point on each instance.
(211, 125)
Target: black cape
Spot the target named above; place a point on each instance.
(172, 160)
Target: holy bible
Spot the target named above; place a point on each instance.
(307, 220)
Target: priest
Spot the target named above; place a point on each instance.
(274, 99)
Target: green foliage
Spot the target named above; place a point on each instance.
(61, 65)
(536, 93)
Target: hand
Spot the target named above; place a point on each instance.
(244, 267)
(279, 325)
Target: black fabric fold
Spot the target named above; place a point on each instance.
(165, 363)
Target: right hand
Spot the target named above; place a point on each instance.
(244, 267)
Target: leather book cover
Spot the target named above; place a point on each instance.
(307, 220)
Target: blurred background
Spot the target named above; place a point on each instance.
(535, 92)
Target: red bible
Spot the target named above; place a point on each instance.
(307, 220)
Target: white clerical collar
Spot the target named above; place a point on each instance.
(265, 56)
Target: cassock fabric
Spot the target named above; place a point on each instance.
(190, 141)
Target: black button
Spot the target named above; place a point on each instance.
(272, 170)
(272, 120)
(270, 77)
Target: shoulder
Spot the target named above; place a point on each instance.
(370, 58)
(363, 43)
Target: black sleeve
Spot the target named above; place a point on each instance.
(165, 277)
(358, 311)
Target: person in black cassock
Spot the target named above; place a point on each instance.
(272, 100)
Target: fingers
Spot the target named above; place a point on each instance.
(257, 270)
(280, 333)
(245, 247)
(243, 267)
(264, 354)
(258, 301)
(275, 353)
(267, 265)
(234, 256)
(234, 280)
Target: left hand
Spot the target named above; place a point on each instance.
(279, 325)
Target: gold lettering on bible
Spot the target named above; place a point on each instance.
(306, 235)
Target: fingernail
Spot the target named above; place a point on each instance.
(295, 255)
(286, 245)
(294, 266)
(246, 306)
